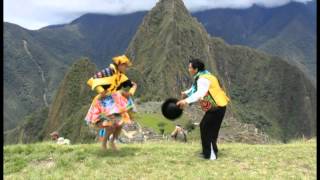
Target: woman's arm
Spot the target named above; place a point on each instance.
(133, 89)
(128, 83)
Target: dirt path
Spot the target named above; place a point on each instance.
(25, 45)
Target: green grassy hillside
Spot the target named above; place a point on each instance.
(154, 121)
(166, 159)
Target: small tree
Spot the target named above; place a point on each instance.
(161, 127)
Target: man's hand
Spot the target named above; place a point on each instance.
(182, 104)
(183, 95)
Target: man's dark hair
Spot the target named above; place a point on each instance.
(197, 64)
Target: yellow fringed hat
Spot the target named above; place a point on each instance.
(121, 60)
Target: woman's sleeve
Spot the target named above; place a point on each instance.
(126, 82)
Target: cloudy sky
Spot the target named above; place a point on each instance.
(34, 14)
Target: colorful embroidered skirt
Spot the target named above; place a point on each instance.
(107, 109)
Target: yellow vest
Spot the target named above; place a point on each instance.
(216, 91)
(114, 81)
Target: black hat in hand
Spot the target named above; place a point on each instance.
(170, 110)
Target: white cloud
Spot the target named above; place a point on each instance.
(34, 14)
(199, 5)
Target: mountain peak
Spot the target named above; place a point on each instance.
(171, 9)
(167, 38)
(170, 3)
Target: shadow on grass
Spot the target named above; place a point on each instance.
(122, 152)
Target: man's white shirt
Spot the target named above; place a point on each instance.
(203, 85)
